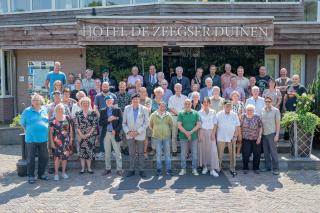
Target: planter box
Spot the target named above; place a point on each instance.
(10, 136)
(301, 142)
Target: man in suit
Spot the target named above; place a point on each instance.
(135, 123)
(216, 80)
(111, 123)
(184, 81)
(206, 91)
(106, 78)
(150, 80)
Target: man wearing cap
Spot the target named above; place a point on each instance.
(135, 123)
(106, 78)
(111, 123)
(227, 128)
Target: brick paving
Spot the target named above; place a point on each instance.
(292, 191)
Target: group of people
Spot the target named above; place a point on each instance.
(153, 115)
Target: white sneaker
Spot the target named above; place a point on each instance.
(183, 172)
(65, 176)
(195, 172)
(56, 177)
(204, 170)
(214, 173)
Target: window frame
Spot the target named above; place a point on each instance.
(276, 57)
(303, 67)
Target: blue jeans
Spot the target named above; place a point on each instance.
(165, 145)
(194, 150)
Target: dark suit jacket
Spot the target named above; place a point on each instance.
(185, 82)
(116, 124)
(113, 85)
(147, 83)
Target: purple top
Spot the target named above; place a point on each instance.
(250, 127)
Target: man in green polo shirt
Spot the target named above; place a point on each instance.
(188, 124)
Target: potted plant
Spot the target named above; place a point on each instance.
(301, 125)
(314, 88)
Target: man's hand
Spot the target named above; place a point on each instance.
(276, 138)
(258, 140)
(112, 118)
(113, 132)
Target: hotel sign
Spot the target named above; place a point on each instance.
(165, 30)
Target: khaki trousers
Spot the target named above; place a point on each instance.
(232, 153)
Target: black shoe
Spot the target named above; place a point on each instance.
(130, 174)
(275, 172)
(174, 154)
(169, 172)
(31, 180)
(91, 172)
(81, 172)
(159, 172)
(233, 173)
(43, 177)
(119, 172)
(142, 174)
(265, 170)
(256, 172)
(106, 172)
(125, 151)
(245, 171)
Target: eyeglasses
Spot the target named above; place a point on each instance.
(164, 84)
(268, 101)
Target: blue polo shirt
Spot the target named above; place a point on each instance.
(36, 125)
(52, 77)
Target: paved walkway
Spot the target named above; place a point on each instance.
(293, 191)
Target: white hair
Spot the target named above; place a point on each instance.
(158, 89)
(58, 106)
(250, 106)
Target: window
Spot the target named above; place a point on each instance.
(145, 1)
(310, 10)
(272, 65)
(21, 5)
(67, 4)
(118, 2)
(92, 3)
(41, 5)
(3, 6)
(297, 66)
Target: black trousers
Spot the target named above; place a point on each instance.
(248, 147)
(43, 158)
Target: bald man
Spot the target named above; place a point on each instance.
(290, 99)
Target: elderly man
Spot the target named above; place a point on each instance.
(111, 122)
(150, 80)
(228, 129)
(188, 124)
(135, 123)
(175, 105)
(282, 84)
(206, 91)
(184, 81)
(256, 100)
(262, 79)
(106, 78)
(88, 82)
(216, 80)
(290, 99)
(53, 76)
(270, 117)
(133, 78)
(225, 78)
(167, 93)
(234, 87)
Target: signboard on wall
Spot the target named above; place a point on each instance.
(37, 73)
(175, 30)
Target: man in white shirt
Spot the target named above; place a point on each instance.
(88, 82)
(227, 128)
(256, 100)
(176, 105)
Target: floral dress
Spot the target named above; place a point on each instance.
(61, 138)
(85, 124)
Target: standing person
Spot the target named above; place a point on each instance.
(111, 122)
(262, 79)
(198, 78)
(167, 93)
(88, 82)
(184, 81)
(133, 78)
(206, 91)
(251, 133)
(160, 125)
(53, 76)
(188, 124)
(195, 88)
(135, 123)
(136, 88)
(106, 78)
(66, 98)
(208, 153)
(195, 102)
(216, 80)
(57, 86)
(216, 100)
(270, 117)
(61, 137)
(123, 96)
(71, 80)
(290, 99)
(86, 127)
(35, 122)
(228, 127)
(175, 105)
(158, 98)
(160, 78)
(234, 87)
(225, 77)
(282, 84)
(252, 83)
(93, 92)
(256, 100)
(150, 80)
(78, 87)
(242, 81)
(274, 93)
(56, 101)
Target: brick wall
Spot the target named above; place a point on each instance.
(72, 60)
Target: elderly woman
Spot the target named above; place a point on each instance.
(167, 93)
(195, 97)
(160, 78)
(238, 108)
(35, 122)
(216, 100)
(158, 97)
(61, 137)
(86, 127)
(207, 146)
(132, 80)
(251, 132)
(274, 93)
(77, 108)
(66, 98)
